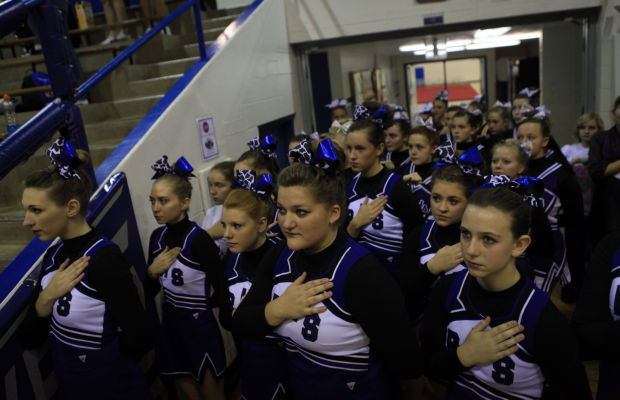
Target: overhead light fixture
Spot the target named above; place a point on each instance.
(509, 38)
(419, 52)
(458, 42)
(455, 48)
(492, 45)
(483, 33)
(407, 48)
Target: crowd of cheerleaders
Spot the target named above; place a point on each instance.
(382, 254)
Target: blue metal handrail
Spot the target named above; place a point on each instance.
(62, 112)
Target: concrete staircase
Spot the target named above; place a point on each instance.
(115, 106)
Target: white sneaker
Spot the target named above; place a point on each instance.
(122, 36)
(166, 31)
(111, 38)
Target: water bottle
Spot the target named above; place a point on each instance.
(9, 114)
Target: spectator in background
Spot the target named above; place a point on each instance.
(115, 11)
(604, 167)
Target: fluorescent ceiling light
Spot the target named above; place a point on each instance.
(412, 47)
(491, 45)
(419, 52)
(458, 42)
(483, 33)
(509, 38)
(455, 48)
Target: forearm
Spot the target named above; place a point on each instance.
(354, 229)
(612, 168)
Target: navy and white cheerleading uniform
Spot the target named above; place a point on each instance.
(514, 377)
(91, 358)
(597, 315)
(190, 342)
(263, 361)
(384, 236)
(421, 191)
(399, 158)
(354, 350)
(561, 193)
(547, 363)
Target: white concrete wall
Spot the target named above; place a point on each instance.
(248, 82)
(607, 77)
(223, 4)
(310, 20)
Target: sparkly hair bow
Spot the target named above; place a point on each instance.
(313, 135)
(63, 156)
(527, 148)
(337, 103)
(442, 95)
(529, 93)
(426, 108)
(378, 117)
(324, 157)
(525, 186)
(341, 128)
(478, 98)
(267, 146)
(428, 123)
(476, 111)
(468, 162)
(502, 105)
(263, 186)
(540, 113)
(181, 168)
(400, 116)
(396, 107)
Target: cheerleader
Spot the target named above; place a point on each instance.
(508, 158)
(596, 319)
(245, 219)
(463, 128)
(379, 202)
(432, 250)
(313, 290)
(498, 121)
(98, 329)
(562, 192)
(440, 105)
(338, 110)
(604, 168)
(220, 181)
(396, 137)
(489, 332)
(261, 157)
(423, 142)
(185, 262)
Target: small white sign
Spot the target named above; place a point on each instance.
(208, 141)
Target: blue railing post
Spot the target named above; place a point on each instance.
(199, 34)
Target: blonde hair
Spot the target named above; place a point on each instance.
(583, 119)
(254, 205)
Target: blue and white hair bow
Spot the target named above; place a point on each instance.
(181, 167)
(263, 186)
(540, 113)
(529, 93)
(396, 107)
(63, 156)
(476, 111)
(267, 146)
(463, 105)
(442, 95)
(478, 98)
(502, 105)
(524, 186)
(468, 162)
(337, 103)
(378, 117)
(313, 135)
(399, 113)
(527, 148)
(426, 108)
(341, 128)
(428, 123)
(324, 157)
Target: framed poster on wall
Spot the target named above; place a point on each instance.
(366, 85)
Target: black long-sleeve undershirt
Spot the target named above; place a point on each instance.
(203, 249)
(110, 275)
(598, 333)
(556, 350)
(370, 294)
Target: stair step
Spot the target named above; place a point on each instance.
(152, 86)
(113, 129)
(12, 230)
(219, 22)
(8, 252)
